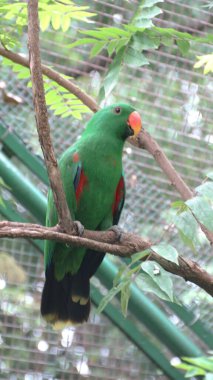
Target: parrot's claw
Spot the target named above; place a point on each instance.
(118, 232)
(79, 228)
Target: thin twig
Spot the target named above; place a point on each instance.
(41, 115)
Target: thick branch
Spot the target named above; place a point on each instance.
(103, 241)
(42, 119)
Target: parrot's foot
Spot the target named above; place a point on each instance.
(118, 232)
(79, 228)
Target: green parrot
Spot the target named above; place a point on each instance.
(93, 181)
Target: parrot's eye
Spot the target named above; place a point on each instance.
(117, 110)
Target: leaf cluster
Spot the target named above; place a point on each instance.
(148, 275)
(129, 44)
(205, 61)
(197, 209)
(58, 99)
(201, 366)
(58, 15)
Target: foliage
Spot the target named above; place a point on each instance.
(201, 366)
(206, 61)
(57, 14)
(58, 99)
(129, 44)
(148, 275)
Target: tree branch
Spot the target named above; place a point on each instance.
(104, 241)
(41, 116)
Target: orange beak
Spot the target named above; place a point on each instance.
(135, 122)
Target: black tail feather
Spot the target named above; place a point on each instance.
(56, 303)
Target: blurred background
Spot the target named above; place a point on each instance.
(175, 102)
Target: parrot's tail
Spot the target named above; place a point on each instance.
(65, 302)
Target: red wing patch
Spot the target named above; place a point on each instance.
(119, 200)
(82, 182)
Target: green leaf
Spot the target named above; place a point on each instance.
(194, 372)
(184, 46)
(44, 18)
(206, 61)
(167, 41)
(97, 48)
(150, 12)
(203, 211)
(56, 21)
(206, 190)
(82, 41)
(99, 34)
(111, 78)
(65, 23)
(139, 255)
(119, 274)
(111, 46)
(150, 3)
(125, 295)
(160, 277)
(147, 284)
(188, 228)
(143, 23)
(180, 205)
(166, 251)
(142, 41)
(202, 362)
(25, 73)
(110, 295)
(135, 58)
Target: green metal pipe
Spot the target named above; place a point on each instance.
(151, 316)
(23, 190)
(15, 146)
(193, 322)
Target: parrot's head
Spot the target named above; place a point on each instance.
(120, 120)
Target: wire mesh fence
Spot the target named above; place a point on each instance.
(176, 107)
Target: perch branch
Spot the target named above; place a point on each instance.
(41, 116)
(103, 241)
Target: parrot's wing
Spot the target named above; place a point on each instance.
(73, 179)
(119, 200)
